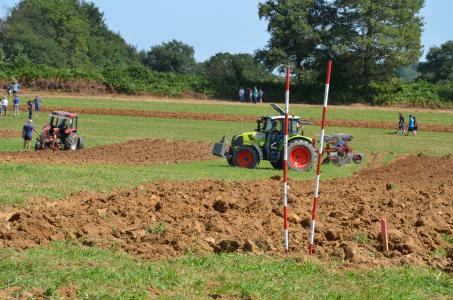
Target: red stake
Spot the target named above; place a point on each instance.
(285, 162)
(311, 247)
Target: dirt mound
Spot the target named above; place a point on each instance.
(165, 219)
(241, 118)
(6, 133)
(131, 153)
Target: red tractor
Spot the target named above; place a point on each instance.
(60, 133)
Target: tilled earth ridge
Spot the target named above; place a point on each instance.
(165, 219)
(6, 133)
(243, 118)
(132, 152)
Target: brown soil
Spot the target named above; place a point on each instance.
(165, 219)
(6, 133)
(133, 152)
(241, 118)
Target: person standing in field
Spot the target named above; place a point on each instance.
(261, 93)
(27, 134)
(401, 124)
(8, 89)
(250, 92)
(415, 125)
(16, 88)
(4, 105)
(255, 95)
(241, 94)
(37, 102)
(411, 125)
(30, 109)
(16, 102)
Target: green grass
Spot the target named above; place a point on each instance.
(109, 274)
(306, 111)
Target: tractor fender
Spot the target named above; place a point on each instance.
(307, 139)
(258, 150)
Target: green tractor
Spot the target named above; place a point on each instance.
(266, 143)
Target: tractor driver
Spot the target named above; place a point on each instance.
(62, 129)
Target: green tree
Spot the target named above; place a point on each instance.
(368, 39)
(234, 69)
(64, 33)
(173, 56)
(439, 63)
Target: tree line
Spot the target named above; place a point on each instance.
(375, 45)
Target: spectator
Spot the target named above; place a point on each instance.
(8, 89)
(16, 88)
(241, 94)
(401, 124)
(255, 95)
(261, 93)
(415, 125)
(4, 105)
(27, 133)
(411, 125)
(30, 109)
(16, 102)
(37, 102)
(250, 92)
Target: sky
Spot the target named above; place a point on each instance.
(221, 25)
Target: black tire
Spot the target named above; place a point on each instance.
(71, 141)
(301, 155)
(357, 158)
(81, 143)
(245, 157)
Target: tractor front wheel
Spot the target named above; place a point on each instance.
(81, 143)
(301, 155)
(71, 142)
(245, 157)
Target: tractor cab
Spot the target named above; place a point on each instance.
(276, 124)
(63, 123)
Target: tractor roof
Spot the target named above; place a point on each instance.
(63, 114)
(291, 117)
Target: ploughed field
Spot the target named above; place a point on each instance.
(147, 186)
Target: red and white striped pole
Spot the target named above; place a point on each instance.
(285, 162)
(311, 246)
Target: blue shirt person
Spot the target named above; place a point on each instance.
(16, 88)
(27, 133)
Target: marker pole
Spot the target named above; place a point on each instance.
(311, 247)
(285, 162)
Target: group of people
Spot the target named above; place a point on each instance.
(14, 90)
(250, 95)
(36, 103)
(412, 126)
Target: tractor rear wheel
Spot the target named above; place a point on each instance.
(301, 155)
(81, 143)
(245, 157)
(71, 141)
